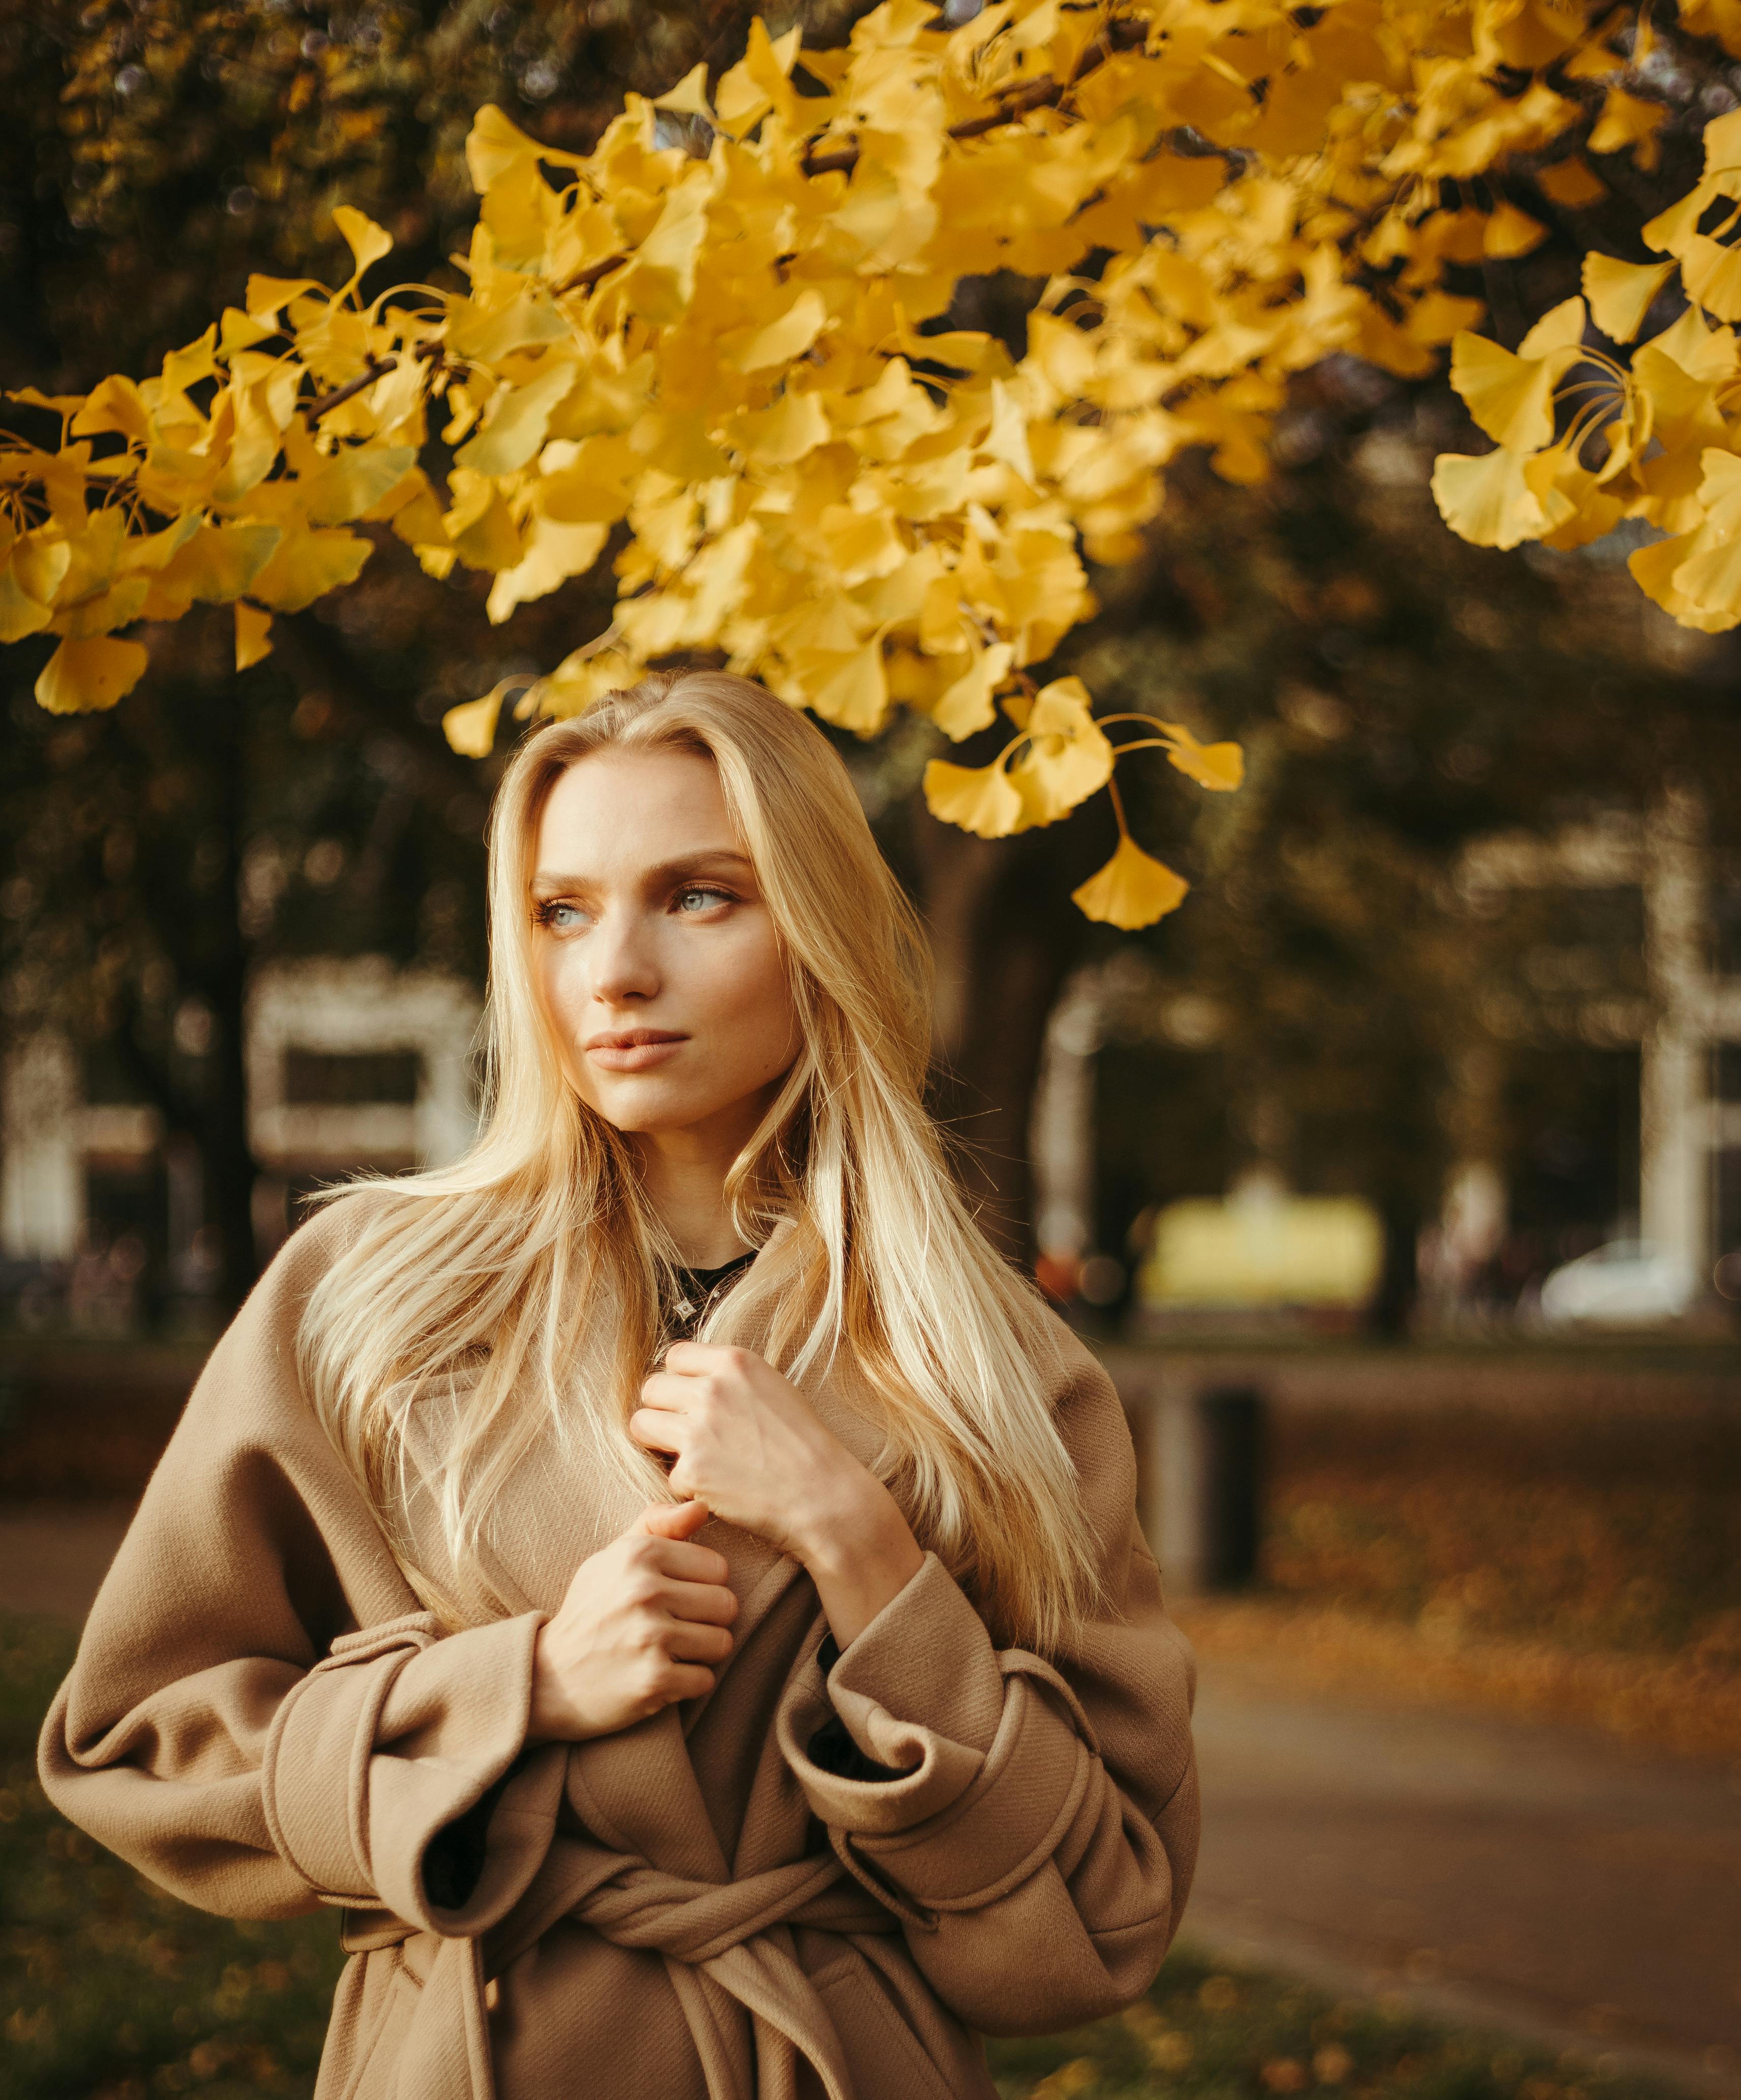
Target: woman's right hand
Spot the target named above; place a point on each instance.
(642, 1620)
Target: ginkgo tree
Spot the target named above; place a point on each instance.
(1588, 435)
(719, 344)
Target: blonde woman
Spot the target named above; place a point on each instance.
(665, 1578)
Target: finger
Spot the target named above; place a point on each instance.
(683, 1564)
(687, 1680)
(697, 1641)
(700, 1603)
(657, 1429)
(664, 1390)
(678, 1521)
(686, 1359)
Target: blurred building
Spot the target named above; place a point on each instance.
(1684, 1030)
(1596, 1094)
(351, 1064)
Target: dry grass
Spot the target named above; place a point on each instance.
(1689, 1703)
(1559, 1569)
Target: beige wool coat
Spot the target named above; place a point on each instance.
(733, 1900)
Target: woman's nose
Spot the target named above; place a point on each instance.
(620, 954)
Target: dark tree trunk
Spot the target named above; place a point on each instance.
(227, 1144)
(1399, 1279)
(1004, 934)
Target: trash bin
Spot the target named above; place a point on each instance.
(1229, 1491)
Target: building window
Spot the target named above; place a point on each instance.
(351, 1079)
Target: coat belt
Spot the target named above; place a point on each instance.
(728, 1951)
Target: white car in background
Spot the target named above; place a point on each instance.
(1629, 1283)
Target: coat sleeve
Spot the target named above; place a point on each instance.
(1035, 1826)
(260, 1717)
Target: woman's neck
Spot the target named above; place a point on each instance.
(683, 1173)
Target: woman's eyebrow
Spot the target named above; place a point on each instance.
(544, 883)
(715, 860)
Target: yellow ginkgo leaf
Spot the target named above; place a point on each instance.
(1710, 577)
(479, 526)
(1627, 120)
(495, 145)
(1620, 294)
(113, 404)
(1721, 139)
(787, 337)
(554, 552)
(777, 436)
(1571, 499)
(1509, 397)
(470, 727)
(1712, 274)
(1654, 569)
(1573, 184)
(1559, 333)
(1702, 351)
(1486, 499)
(849, 690)
(978, 798)
(1068, 756)
(83, 676)
(689, 97)
(20, 613)
(354, 481)
(1720, 490)
(195, 361)
(1674, 225)
(966, 704)
(520, 420)
(307, 566)
(1061, 708)
(586, 675)
(253, 634)
(367, 241)
(238, 331)
(1220, 766)
(218, 564)
(1509, 233)
(758, 83)
(1133, 890)
(63, 404)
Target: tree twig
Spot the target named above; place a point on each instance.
(1045, 94)
(583, 280)
(317, 409)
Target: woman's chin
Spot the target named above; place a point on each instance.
(645, 1109)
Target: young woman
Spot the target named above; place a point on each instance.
(770, 1717)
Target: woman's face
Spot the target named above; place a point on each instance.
(655, 952)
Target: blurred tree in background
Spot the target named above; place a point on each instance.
(151, 156)
(1399, 692)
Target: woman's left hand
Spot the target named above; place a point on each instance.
(748, 1444)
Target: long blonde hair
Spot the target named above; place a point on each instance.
(535, 1262)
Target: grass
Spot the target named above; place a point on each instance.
(1210, 2031)
(112, 1990)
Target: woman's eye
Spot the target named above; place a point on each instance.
(708, 895)
(560, 918)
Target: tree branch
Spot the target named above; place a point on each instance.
(1045, 94)
(316, 409)
(583, 280)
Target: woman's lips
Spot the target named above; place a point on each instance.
(634, 1056)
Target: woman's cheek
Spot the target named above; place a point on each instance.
(567, 996)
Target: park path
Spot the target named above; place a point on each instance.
(1545, 1882)
(1559, 1884)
